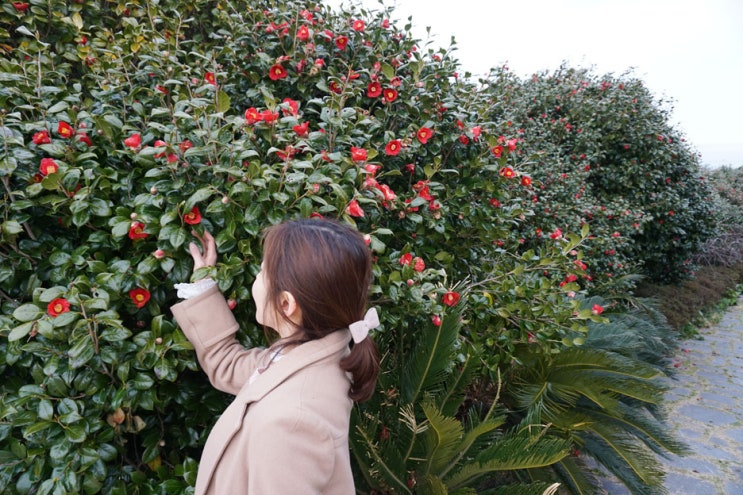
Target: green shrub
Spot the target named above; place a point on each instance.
(125, 125)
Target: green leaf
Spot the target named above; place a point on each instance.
(20, 331)
(27, 312)
(11, 227)
(223, 102)
(60, 106)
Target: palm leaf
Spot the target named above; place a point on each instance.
(517, 451)
(442, 439)
(577, 477)
(431, 359)
(536, 488)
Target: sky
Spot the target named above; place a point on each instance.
(689, 52)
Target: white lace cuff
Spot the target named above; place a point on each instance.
(187, 291)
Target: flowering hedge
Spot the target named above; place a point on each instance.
(126, 125)
(606, 155)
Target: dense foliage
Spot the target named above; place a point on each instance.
(606, 155)
(125, 125)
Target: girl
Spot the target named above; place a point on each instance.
(286, 432)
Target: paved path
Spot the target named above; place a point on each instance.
(706, 409)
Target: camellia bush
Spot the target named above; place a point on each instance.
(127, 125)
(604, 154)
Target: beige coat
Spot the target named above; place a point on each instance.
(287, 432)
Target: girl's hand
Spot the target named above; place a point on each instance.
(208, 254)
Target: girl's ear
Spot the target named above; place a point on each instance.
(290, 308)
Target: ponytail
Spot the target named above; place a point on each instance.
(363, 364)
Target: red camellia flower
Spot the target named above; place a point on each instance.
(302, 129)
(556, 234)
(139, 297)
(84, 138)
(526, 181)
(57, 306)
(497, 151)
(252, 115)
(374, 89)
(20, 6)
(41, 137)
(507, 172)
(335, 87)
(406, 259)
(293, 105)
(193, 217)
(358, 154)
(65, 130)
(511, 143)
(354, 209)
(451, 298)
(210, 78)
(597, 309)
(393, 147)
(418, 264)
(390, 95)
(303, 33)
(48, 166)
(358, 25)
(277, 72)
(424, 134)
(341, 42)
(136, 231)
(372, 169)
(387, 192)
(580, 264)
(464, 139)
(133, 141)
(269, 117)
(185, 145)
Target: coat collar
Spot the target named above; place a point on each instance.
(232, 419)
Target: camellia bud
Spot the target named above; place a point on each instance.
(159, 340)
(411, 282)
(159, 254)
(231, 303)
(153, 190)
(225, 200)
(133, 216)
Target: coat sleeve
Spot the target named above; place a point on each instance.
(292, 453)
(209, 325)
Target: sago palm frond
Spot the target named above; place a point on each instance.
(441, 440)
(536, 488)
(426, 370)
(511, 452)
(576, 476)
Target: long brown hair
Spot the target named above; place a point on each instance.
(327, 267)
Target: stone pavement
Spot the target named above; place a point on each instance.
(705, 407)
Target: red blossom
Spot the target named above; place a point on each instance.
(418, 264)
(424, 134)
(476, 131)
(48, 166)
(511, 144)
(252, 115)
(494, 203)
(277, 72)
(210, 78)
(526, 181)
(390, 95)
(139, 297)
(387, 192)
(374, 89)
(393, 147)
(580, 264)
(497, 151)
(303, 33)
(507, 172)
(84, 138)
(358, 25)
(436, 320)
(301, 129)
(193, 217)
(386, 23)
(335, 87)
(185, 145)
(41, 137)
(451, 298)
(21, 7)
(57, 306)
(293, 105)
(354, 209)
(358, 154)
(597, 309)
(410, 168)
(406, 259)
(341, 42)
(372, 169)
(65, 130)
(556, 234)
(136, 231)
(269, 117)
(133, 141)
(464, 139)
